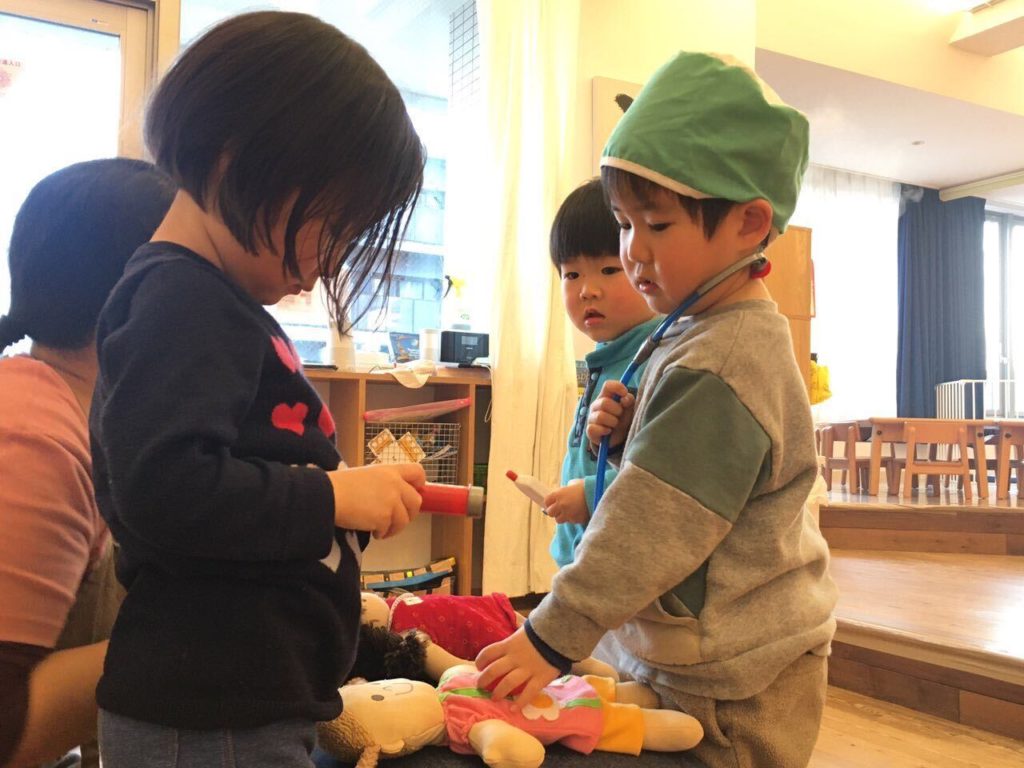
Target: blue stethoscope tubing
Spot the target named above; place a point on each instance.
(651, 343)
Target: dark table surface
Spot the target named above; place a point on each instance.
(557, 757)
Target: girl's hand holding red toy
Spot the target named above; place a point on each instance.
(381, 498)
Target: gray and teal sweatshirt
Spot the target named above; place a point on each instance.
(702, 558)
(606, 363)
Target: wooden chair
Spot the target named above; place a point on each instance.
(979, 460)
(885, 431)
(854, 469)
(935, 432)
(1011, 438)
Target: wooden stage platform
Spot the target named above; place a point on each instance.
(931, 605)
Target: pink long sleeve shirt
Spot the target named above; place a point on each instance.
(50, 529)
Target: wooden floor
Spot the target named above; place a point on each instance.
(969, 602)
(861, 732)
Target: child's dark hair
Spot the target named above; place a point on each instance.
(71, 239)
(709, 212)
(584, 226)
(270, 108)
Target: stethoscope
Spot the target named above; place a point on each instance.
(758, 263)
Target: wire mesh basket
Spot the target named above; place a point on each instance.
(433, 444)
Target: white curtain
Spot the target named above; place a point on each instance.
(529, 51)
(853, 219)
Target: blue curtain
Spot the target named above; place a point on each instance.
(941, 296)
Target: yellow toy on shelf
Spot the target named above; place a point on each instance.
(819, 390)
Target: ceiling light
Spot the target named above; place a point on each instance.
(981, 187)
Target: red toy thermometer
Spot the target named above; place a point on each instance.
(457, 500)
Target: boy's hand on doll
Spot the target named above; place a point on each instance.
(514, 666)
(568, 504)
(609, 416)
(381, 498)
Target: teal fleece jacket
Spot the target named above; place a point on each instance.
(607, 362)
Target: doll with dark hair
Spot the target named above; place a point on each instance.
(417, 637)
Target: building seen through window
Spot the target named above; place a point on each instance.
(425, 48)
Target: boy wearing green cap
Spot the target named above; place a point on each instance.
(702, 561)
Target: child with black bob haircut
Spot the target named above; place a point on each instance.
(215, 459)
(702, 562)
(602, 304)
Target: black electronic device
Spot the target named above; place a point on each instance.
(463, 347)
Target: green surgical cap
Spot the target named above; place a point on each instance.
(706, 126)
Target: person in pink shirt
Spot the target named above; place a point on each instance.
(58, 593)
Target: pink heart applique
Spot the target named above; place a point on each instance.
(286, 353)
(325, 421)
(290, 417)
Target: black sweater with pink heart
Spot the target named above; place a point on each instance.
(209, 450)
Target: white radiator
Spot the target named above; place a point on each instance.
(977, 399)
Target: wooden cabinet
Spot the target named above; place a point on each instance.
(349, 395)
(792, 286)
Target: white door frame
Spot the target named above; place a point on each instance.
(134, 24)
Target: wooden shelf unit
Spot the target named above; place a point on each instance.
(350, 394)
(792, 286)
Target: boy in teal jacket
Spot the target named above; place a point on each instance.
(602, 303)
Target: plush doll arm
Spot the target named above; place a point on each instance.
(592, 666)
(438, 660)
(633, 692)
(502, 745)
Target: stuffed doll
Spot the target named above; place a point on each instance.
(392, 718)
(463, 625)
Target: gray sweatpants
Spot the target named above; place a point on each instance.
(776, 728)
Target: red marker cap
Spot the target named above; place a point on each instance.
(511, 475)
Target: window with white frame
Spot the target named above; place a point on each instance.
(855, 276)
(427, 49)
(1004, 318)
